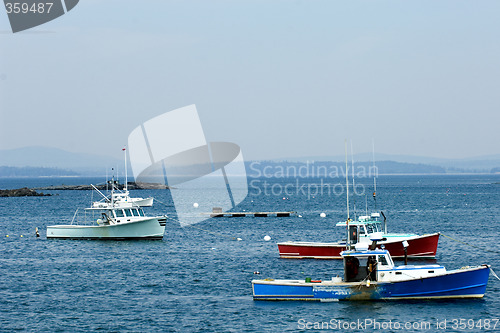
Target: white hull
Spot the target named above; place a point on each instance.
(148, 202)
(124, 202)
(150, 228)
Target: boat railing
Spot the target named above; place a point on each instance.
(87, 218)
(74, 216)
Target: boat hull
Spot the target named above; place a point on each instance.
(151, 228)
(424, 246)
(462, 283)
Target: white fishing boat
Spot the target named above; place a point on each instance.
(116, 220)
(115, 217)
(120, 198)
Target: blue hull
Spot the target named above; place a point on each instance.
(464, 283)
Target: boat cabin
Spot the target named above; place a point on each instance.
(362, 264)
(361, 229)
(127, 212)
(119, 215)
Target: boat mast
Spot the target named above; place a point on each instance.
(374, 176)
(347, 196)
(112, 187)
(126, 180)
(353, 186)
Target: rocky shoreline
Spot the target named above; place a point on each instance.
(22, 192)
(102, 187)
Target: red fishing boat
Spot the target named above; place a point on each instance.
(419, 246)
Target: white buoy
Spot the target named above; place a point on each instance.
(195, 205)
(267, 238)
(239, 239)
(300, 215)
(322, 215)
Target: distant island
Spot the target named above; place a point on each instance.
(328, 169)
(38, 161)
(22, 192)
(101, 187)
(272, 169)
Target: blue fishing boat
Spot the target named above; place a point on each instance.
(370, 274)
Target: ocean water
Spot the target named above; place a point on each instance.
(198, 278)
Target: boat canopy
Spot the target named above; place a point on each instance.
(121, 211)
(359, 222)
(361, 265)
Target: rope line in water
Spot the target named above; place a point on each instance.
(477, 247)
(494, 274)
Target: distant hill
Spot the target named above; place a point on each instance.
(6, 171)
(53, 162)
(470, 164)
(328, 169)
(53, 158)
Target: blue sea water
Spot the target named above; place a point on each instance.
(198, 278)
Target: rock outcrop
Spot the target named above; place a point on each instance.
(22, 192)
(101, 187)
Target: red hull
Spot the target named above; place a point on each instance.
(424, 246)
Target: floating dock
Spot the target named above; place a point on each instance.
(217, 212)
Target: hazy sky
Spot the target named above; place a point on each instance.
(280, 78)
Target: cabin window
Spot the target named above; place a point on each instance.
(362, 230)
(128, 212)
(141, 212)
(382, 260)
(353, 234)
(119, 213)
(370, 228)
(134, 212)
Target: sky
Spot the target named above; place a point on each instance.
(281, 78)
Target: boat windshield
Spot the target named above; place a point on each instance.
(382, 260)
(140, 211)
(128, 212)
(119, 213)
(373, 227)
